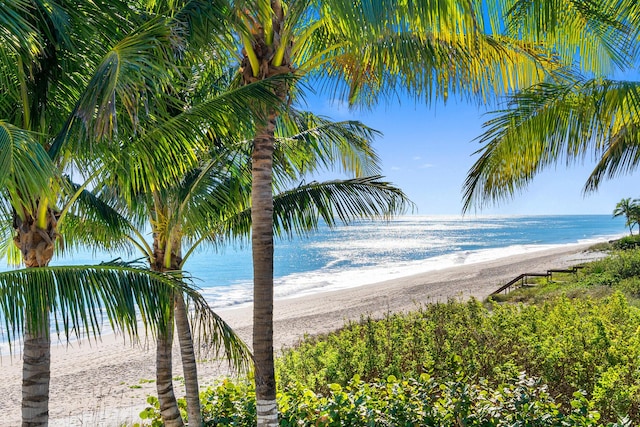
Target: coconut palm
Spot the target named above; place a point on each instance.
(211, 204)
(629, 209)
(72, 75)
(377, 48)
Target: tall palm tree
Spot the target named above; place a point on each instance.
(211, 204)
(374, 49)
(629, 209)
(71, 73)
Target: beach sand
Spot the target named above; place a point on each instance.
(106, 383)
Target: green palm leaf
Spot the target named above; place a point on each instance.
(598, 33)
(17, 34)
(299, 210)
(83, 299)
(25, 169)
(551, 123)
(92, 222)
(170, 147)
(128, 75)
(306, 142)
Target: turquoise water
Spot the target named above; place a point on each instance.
(369, 252)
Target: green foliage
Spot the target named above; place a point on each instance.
(226, 404)
(567, 362)
(572, 345)
(620, 271)
(151, 414)
(571, 360)
(620, 265)
(426, 402)
(229, 404)
(627, 242)
(521, 401)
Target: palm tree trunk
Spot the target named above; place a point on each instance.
(189, 366)
(36, 372)
(164, 377)
(36, 245)
(262, 249)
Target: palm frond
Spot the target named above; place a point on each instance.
(118, 94)
(599, 34)
(84, 299)
(212, 336)
(25, 168)
(17, 34)
(300, 209)
(93, 222)
(306, 142)
(170, 147)
(551, 123)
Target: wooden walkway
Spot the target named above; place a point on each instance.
(521, 280)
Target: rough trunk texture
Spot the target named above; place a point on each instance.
(169, 409)
(36, 375)
(262, 247)
(36, 245)
(262, 209)
(164, 378)
(189, 366)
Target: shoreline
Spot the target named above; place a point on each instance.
(106, 383)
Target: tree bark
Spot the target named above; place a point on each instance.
(189, 366)
(36, 245)
(36, 373)
(164, 377)
(262, 248)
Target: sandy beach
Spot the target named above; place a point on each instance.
(106, 383)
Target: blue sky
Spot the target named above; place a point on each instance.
(428, 150)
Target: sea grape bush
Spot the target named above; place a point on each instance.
(523, 401)
(573, 345)
(627, 242)
(567, 362)
(620, 265)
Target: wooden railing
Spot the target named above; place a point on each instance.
(523, 278)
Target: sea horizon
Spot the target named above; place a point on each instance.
(366, 252)
(369, 252)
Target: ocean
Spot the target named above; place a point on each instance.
(367, 252)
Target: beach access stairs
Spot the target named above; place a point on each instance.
(522, 280)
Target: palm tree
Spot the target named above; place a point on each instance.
(376, 48)
(211, 204)
(65, 71)
(629, 209)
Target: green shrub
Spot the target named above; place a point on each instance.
(458, 364)
(572, 344)
(627, 242)
(630, 286)
(521, 401)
